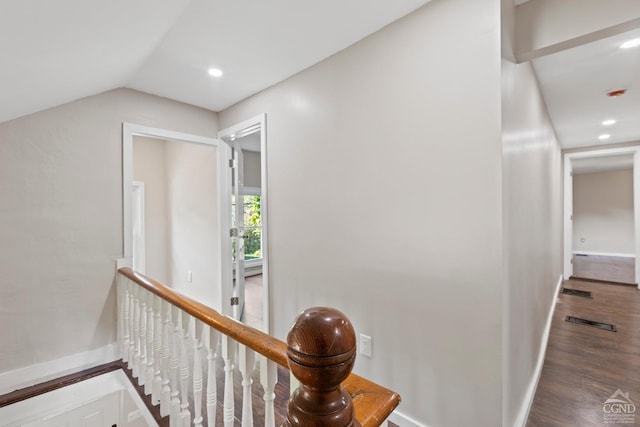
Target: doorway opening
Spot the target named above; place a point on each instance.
(249, 227)
(602, 215)
(175, 210)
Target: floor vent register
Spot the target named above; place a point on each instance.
(605, 326)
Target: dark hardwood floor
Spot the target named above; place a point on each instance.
(253, 301)
(584, 366)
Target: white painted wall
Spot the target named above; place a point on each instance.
(149, 167)
(532, 226)
(181, 214)
(252, 169)
(61, 220)
(193, 219)
(532, 215)
(603, 212)
(406, 239)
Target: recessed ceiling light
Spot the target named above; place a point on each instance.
(215, 72)
(631, 43)
(604, 136)
(609, 122)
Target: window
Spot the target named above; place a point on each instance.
(252, 227)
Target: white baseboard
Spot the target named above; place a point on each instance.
(41, 372)
(525, 407)
(402, 420)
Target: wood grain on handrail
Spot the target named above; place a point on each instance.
(372, 403)
(255, 339)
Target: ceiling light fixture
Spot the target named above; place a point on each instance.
(609, 122)
(631, 43)
(215, 72)
(604, 137)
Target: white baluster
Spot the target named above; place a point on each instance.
(148, 381)
(124, 320)
(132, 335)
(165, 392)
(136, 333)
(268, 379)
(185, 414)
(142, 297)
(157, 354)
(197, 373)
(129, 325)
(228, 354)
(247, 364)
(211, 342)
(176, 340)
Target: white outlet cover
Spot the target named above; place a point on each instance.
(365, 345)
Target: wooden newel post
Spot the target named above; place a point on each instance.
(322, 351)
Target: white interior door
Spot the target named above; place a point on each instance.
(568, 219)
(239, 232)
(247, 180)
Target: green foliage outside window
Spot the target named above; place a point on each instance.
(253, 236)
(253, 228)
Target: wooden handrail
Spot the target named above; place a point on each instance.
(265, 344)
(372, 403)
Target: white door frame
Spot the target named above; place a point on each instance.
(137, 191)
(568, 202)
(129, 130)
(261, 121)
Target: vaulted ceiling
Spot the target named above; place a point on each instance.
(54, 52)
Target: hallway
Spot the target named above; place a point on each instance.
(584, 366)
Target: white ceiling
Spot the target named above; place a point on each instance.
(54, 52)
(58, 51)
(575, 82)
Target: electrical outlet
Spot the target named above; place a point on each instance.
(366, 345)
(189, 276)
(582, 239)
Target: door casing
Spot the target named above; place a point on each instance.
(129, 130)
(568, 202)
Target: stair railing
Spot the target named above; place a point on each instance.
(157, 325)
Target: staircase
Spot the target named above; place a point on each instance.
(192, 366)
(173, 347)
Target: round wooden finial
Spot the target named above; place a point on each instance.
(322, 351)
